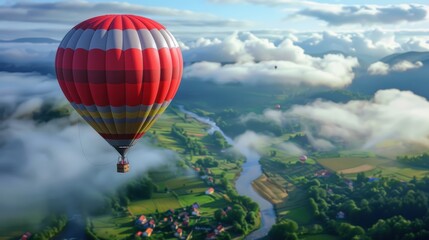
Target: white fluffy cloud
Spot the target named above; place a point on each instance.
(259, 61)
(374, 43)
(26, 53)
(403, 66)
(16, 88)
(252, 140)
(381, 68)
(391, 115)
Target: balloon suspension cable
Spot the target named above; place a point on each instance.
(80, 141)
(105, 164)
(123, 160)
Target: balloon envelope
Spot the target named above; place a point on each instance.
(120, 72)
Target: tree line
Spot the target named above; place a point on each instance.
(371, 208)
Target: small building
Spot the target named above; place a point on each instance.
(219, 229)
(211, 236)
(373, 179)
(178, 233)
(148, 232)
(26, 236)
(210, 191)
(341, 215)
(142, 220)
(175, 226)
(322, 173)
(152, 223)
(195, 212)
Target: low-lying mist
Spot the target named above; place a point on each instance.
(58, 163)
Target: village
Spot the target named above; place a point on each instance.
(186, 222)
(180, 223)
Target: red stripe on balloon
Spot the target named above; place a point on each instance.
(98, 94)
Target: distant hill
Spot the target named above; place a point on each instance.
(31, 40)
(415, 80)
(409, 56)
(43, 67)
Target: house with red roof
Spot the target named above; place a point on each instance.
(178, 233)
(148, 232)
(142, 220)
(219, 229)
(210, 191)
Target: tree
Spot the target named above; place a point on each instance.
(286, 230)
(237, 214)
(219, 215)
(348, 231)
(124, 200)
(251, 217)
(224, 236)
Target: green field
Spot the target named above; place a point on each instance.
(302, 215)
(110, 227)
(160, 202)
(386, 167)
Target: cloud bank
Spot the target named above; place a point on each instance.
(391, 115)
(381, 68)
(259, 61)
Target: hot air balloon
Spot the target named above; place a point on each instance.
(120, 73)
(277, 106)
(303, 158)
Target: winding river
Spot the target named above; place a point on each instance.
(251, 171)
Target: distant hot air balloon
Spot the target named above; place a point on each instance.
(303, 158)
(119, 72)
(277, 106)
